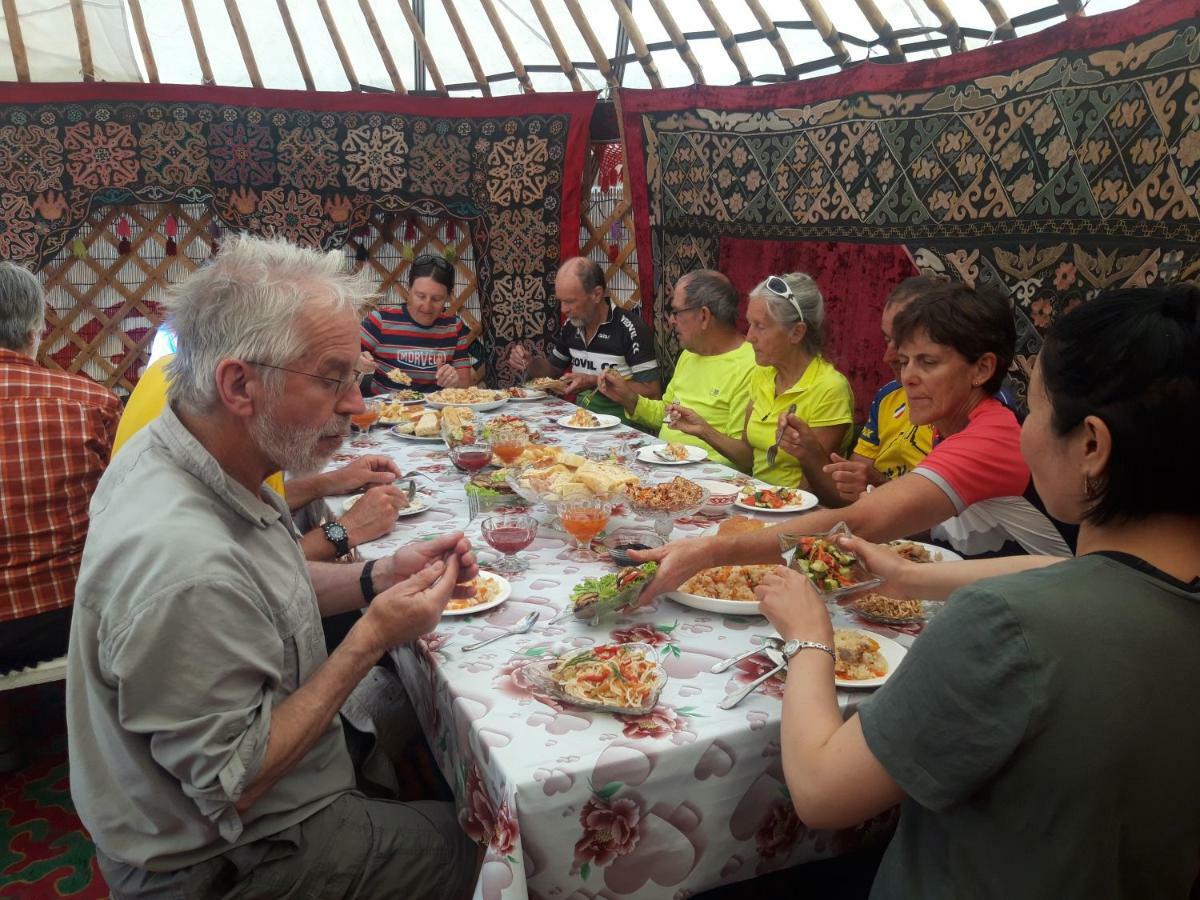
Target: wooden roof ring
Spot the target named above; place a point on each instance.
(772, 33)
(506, 42)
(556, 44)
(1004, 27)
(87, 67)
(189, 12)
(682, 47)
(336, 37)
(239, 31)
(381, 46)
(468, 47)
(139, 25)
(294, 39)
(640, 50)
(418, 34)
(727, 40)
(829, 34)
(949, 25)
(887, 34)
(589, 38)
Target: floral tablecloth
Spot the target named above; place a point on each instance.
(575, 804)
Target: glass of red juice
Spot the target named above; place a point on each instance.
(510, 534)
(472, 457)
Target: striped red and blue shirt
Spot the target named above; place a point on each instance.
(393, 337)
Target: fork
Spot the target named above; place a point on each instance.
(520, 628)
(780, 664)
(773, 450)
(727, 664)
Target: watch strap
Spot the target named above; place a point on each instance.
(814, 645)
(336, 534)
(365, 582)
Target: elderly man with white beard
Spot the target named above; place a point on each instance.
(207, 756)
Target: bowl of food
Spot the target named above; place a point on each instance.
(664, 503)
(884, 610)
(833, 571)
(626, 679)
(721, 495)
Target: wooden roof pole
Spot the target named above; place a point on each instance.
(297, 48)
(239, 31)
(949, 24)
(590, 39)
(768, 26)
(336, 36)
(13, 23)
(189, 12)
(419, 36)
(556, 43)
(682, 47)
(139, 25)
(1071, 8)
(640, 50)
(829, 34)
(381, 45)
(1004, 26)
(882, 27)
(727, 41)
(468, 47)
(85, 41)
(506, 42)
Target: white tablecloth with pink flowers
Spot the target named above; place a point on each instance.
(575, 804)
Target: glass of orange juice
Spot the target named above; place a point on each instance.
(372, 410)
(583, 519)
(509, 442)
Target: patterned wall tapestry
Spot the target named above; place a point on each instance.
(1052, 173)
(311, 167)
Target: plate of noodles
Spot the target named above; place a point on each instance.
(884, 610)
(864, 659)
(617, 678)
(490, 591)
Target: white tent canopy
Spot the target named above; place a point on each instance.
(197, 41)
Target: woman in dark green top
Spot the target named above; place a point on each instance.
(1040, 735)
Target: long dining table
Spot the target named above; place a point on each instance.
(578, 804)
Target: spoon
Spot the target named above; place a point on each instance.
(520, 628)
(726, 664)
(780, 663)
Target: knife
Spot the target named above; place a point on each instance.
(773, 450)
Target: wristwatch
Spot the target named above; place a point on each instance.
(336, 534)
(792, 647)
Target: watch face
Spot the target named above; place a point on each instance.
(336, 532)
(791, 648)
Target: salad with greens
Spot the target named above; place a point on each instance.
(594, 597)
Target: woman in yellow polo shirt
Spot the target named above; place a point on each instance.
(786, 315)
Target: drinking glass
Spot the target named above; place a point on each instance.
(509, 442)
(509, 533)
(471, 456)
(583, 519)
(372, 410)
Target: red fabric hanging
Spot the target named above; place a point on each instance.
(854, 280)
(611, 169)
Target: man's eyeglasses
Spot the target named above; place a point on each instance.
(673, 313)
(341, 386)
(429, 259)
(779, 288)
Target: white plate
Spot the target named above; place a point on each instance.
(694, 454)
(505, 591)
(807, 501)
(712, 604)
(892, 652)
(605, 422)
(412, 437)
(530, 394)
(478, 407)
(416, 505)
(939, 554)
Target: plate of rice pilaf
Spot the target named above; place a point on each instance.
(724, 589)
(864, 659)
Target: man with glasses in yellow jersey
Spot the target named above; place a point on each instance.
(712, 375)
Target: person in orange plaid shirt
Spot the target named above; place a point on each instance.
(58, 432)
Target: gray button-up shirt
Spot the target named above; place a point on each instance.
(194, 617)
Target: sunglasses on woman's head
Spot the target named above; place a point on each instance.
(779, 288)
(428, 259)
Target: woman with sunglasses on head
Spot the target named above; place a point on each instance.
(420, 338)
(786, 316)
(1037, 736)
(973, 489)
